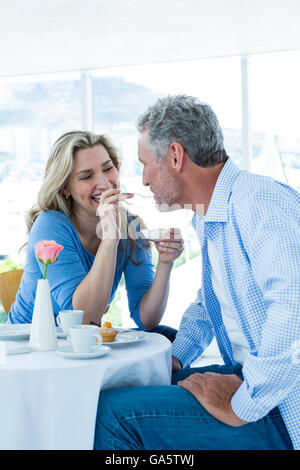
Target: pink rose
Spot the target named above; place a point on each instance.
(47, 251)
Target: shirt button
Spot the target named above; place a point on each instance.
(256, 416)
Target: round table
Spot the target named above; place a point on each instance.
(48, 401)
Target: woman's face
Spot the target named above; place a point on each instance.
(93, 172)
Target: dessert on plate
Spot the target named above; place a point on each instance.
(107, 332)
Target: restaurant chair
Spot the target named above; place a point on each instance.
(9, 284)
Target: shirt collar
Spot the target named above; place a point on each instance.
(218, 207)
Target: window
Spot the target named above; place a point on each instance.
(33, 113)
(274, 105)
(119, 96)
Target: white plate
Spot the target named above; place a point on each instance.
(21, 331)
(14, 347)
(60, 333)
(127, 337)
(68, 352)
(12, 332)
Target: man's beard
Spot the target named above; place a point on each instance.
(166, 199)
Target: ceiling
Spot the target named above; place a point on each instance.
(42, 36)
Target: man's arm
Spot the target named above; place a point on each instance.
(194, 335)
(269, 225)
(270, 231)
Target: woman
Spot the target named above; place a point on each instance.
(80, 206)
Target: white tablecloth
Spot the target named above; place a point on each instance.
(50, 402)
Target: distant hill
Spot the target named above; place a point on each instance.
(56, 104)
(115, 99)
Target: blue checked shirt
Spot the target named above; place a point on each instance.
(253, 222)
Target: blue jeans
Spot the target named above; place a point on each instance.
(167, 417)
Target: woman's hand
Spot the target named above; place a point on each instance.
(171, 246)
(108, 211)
(176, 364)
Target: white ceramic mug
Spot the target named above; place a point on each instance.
(67, 318)
(84, 338)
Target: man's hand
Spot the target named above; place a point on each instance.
(214, 393)
(176, 364)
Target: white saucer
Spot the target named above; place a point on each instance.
(155, 235)
(68, 352)
(60, 333)
(13, 332)
(22, 331)
(19, 331)
(127, 337)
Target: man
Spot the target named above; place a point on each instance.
(249, 231)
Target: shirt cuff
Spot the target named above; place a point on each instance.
(185, 351)
(245, 407)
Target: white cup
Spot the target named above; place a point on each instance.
(84, 338)
(67, 318)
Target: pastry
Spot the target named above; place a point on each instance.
(107, 332)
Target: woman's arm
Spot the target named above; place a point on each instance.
(76, 283)
(154, 301)
(93, 293)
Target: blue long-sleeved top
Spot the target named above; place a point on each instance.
(71, 267)
(253, 223)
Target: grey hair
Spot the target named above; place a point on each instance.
(186, 120)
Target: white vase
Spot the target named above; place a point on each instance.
(43, 331)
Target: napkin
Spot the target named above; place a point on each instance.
(13, 347)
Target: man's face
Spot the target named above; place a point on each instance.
(157, 176)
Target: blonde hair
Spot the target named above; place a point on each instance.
(51, 196)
